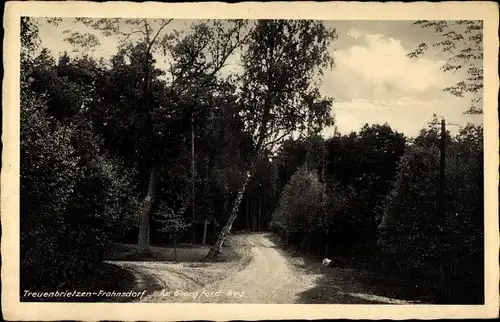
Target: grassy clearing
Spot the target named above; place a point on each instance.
(186, 253)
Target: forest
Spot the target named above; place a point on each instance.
(120, 151)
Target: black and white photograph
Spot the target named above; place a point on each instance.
(251, 161)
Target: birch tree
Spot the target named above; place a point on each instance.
(279, 90)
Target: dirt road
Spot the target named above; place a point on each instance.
(264, 274)
(268, 278)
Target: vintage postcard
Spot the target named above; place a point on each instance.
(213, 161)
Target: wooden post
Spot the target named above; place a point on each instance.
(327, 243)
(259, 222)
(247, 219)
(204, 232)
(175, 246)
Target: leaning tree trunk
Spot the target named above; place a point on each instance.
(215, 250)
(147, 210)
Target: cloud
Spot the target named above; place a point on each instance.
(355, 33)
(374, 82)
(377, 67)
(406, 114)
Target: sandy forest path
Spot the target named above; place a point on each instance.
(268, 278)
(264, 274)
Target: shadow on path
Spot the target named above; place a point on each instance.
(353, 283)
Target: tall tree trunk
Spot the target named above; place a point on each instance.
(301, 247)
(147, 210)
(214, 230)
(254, 220)
(215, 250)
(193, 170)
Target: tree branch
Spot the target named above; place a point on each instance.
(275, 140)
(165, 23)
(127, 35)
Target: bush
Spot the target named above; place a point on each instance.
(72, 200)
(301, 207)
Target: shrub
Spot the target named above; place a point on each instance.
(73, 199)
(49, 165)
(301, 206)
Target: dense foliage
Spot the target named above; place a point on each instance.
(75, 198)
(380, 191)
(300, 211)
(120, 151)
(447, 250)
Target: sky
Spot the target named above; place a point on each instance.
(371, 82)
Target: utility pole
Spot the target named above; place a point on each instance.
(441, 180)
(446, 274)
(439, 202)
(440, 199)
(323, 160)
